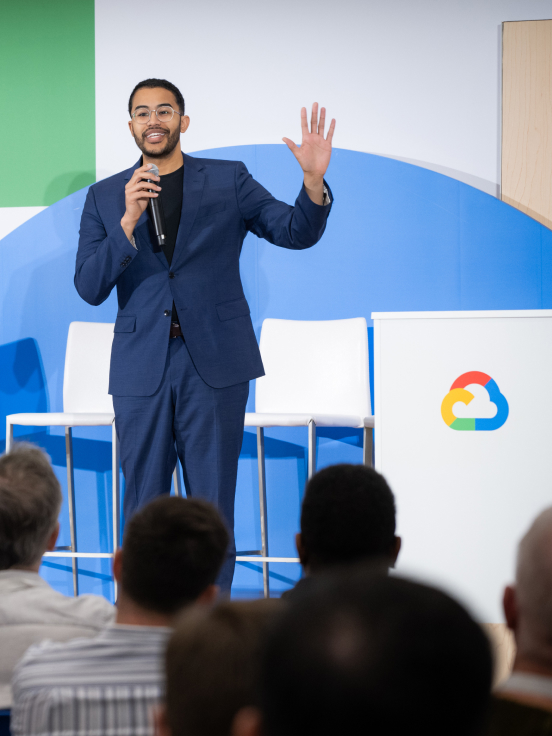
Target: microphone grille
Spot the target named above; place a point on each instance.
(154, 170)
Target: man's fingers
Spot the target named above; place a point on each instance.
(304, 126)
(291, 145)
(139, 188)
(135, 196)
(143, 177)
(142, 184)
(331, 131)
(144, 172)
(314, 118)
(322, 122)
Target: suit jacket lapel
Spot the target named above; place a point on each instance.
(194, 181)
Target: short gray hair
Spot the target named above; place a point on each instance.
(30, 501)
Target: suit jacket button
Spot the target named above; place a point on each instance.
(167, 313)
(171, 275)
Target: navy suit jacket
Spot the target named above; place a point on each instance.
(221, 203)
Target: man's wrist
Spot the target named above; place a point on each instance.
(313, 181)
(314, 185)
(128, 226)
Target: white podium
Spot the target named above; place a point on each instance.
(463, 406)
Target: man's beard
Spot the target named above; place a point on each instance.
(158, 152)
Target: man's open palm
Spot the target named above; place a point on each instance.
(314, 153)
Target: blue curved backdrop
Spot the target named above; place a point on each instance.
(399, 238)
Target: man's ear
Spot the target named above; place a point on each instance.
(510, 605)
(160, 723)
(184, 123)
(396, 548)
(52, 539)
(247, 722)
(209, 595)
(301, 551)
(118, 564)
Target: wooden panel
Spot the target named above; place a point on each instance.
(527, 117)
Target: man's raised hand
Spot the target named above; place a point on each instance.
(315, 151)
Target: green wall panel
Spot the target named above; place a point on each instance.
(47, 90)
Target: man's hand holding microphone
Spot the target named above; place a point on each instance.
(139, 192)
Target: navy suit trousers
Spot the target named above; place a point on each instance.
(185, 415)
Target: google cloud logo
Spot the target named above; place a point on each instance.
(488, 411)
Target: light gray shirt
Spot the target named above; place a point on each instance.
(527, 683)
(31, 611)
(104, 686)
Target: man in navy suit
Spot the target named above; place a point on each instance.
(184, 348)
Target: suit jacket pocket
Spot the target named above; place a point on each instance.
(209, 210)
(235, 308)
(125, 324)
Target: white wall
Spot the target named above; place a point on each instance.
(417, 80)
(414, 79)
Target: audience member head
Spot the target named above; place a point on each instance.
(348, 515)
(172, 551)
(528, 604)
(365, 653)
(212, 667)
(30, 500)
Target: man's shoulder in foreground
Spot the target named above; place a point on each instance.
(119, 654)
(114, 679)
(32, 611)
(27, 599)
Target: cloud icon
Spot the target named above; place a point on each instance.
(481, 408)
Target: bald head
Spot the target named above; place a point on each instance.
(533, 590)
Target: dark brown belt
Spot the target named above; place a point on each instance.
(175, 330)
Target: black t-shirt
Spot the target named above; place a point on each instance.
(170, 196)
(172, 188)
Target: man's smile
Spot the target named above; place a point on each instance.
(155, 136)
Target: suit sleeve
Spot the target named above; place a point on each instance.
(297, 227)
(101, 257)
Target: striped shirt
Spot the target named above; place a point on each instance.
(104, 686)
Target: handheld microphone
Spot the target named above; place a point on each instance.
(155, 209)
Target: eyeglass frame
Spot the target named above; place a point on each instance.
(133, 116)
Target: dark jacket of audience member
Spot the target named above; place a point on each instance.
(212, 667)
(348, 515)
(510, 718)
(363, 653)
